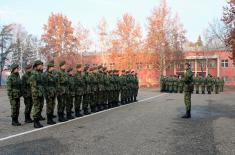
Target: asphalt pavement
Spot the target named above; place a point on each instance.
(152, 126)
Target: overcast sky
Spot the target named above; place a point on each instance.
(32, 14)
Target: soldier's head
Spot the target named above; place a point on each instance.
(70, 71)
(15, 68)
(187, 65)
(28, 68)
(50, 66)
(38, 65)
(79, 68)
(62, 65)
(86, 68)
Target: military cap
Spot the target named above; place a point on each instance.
(28, 66)
(37, 62)
(62, 63)
(123, 70)
(69, 69)
(104, 68)
(78, 66)
(100, 67)
(187, 63)
(50, 64)
(14, 66)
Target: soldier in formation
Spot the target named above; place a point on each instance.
(200, 84)
(88, 90)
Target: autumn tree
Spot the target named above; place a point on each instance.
(125, 42)
(103, 39)
(165, 37)
(57, 36)
(229, 20)
(82, 41)
(6, 46)
(215, 35)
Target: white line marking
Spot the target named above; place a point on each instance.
(49, 126)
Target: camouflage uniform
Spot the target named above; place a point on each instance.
(26, 91)
(14, 94)
(49, 79)
(101, 88)
(197, 84)
(95, 89)
(79, 87)
(203, 84)
(175, 84)
(170, 82)
(188, 79)
(162, 84)
(181, 85)
(217, 83)
(209, 84)
(70, 93)
(62, 83)
(36, 84)
(136, 83)
(123, 84)
(88, 90)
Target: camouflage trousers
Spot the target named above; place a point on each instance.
(38, 103)
(217, 89)
(50, 105)
(110, 96)
(77, 102)
(187, 100)
(203, 89)
(61, 103)
(136, 92)
(197, 88)
(15, 107)
(209, 89)
(175, 88)
(123, 95)
(87, 99)
(69, 103)
(28, 101)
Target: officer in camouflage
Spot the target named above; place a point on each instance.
(87, 91)
(188, 79)
(26, 91)
(37, 90)
(14, 93)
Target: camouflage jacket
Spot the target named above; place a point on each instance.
(50, 83)
(188, 79)
(101, 81)
(36, 84)
(79, 84)
(26, 90)
(71, 86)
(14, 86)
(88, 83)
(62, 82)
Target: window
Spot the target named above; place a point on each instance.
(149, 66)
(212, 64)
(224, 63)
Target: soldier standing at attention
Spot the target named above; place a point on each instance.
(197, 83)
(70, 93)
(62, 87)
(79, 88)
(14, 93)
(49, 80)
(217, 83)
(203, 84)
(188, 79)
(209, 83)
(36, 84)
(87, 90)
(26, 91)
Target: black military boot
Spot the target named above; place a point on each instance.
(37, 124)
(50, 119)
(41, 118)
(187, 115)
(15, 121)
(85, 111)
(93, 109)
(28, 118)
(69, 116)
(53, 116)
(61, 117)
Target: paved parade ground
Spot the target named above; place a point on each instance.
(152, 126)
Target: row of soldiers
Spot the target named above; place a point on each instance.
(175, 84)
(90, 89)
